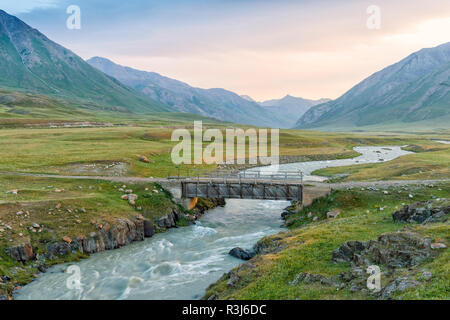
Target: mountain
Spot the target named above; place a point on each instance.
(290, 108)
(414, 90)
(248, 98)
(32, 63)
(217, 103)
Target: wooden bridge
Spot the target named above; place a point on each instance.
(280, 185)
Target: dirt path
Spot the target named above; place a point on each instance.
(340, 185)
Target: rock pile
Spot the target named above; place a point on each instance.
(391, 250)
(395, 250)
(423, 212)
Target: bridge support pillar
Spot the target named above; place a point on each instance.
(189, 203)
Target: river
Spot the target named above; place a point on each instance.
(183, 262)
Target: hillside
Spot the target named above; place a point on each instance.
(32, 63)
(414, 90)
(217, 103)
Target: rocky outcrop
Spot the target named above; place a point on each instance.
(290, 210)
(204, 205)
(108, 237)
(392, 250)
(423, 212)
(398, 250)
(399, 284)
(241, 253)
(167, 221)
(269, 245)
(22, 252)
(395, 250)
(113, 236)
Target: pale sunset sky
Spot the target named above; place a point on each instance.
(264, 49)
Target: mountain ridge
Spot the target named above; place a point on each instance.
(290, 107)
(33, 63)
(215, 102)
(407, 91)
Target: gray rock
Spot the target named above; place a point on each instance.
(167, 221)
(22, 252)
(58, 249)
(396, 250)
(241, 253)
(149, 230)
(332, 214)
(233, 280)
(399, 284)
(422, 212)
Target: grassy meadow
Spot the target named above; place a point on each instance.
(63, 150)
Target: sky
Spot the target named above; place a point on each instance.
(262, 48)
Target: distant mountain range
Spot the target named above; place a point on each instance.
(413, 91)
(217, 103)
(290, 108)
(30, 62)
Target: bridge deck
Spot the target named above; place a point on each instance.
(244, 189)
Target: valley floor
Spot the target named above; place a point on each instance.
(41, 209)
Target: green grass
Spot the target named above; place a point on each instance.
(57, 150)
(309, 245)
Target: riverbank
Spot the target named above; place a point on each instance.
(206, 254)
(303, 263)
(44, 222)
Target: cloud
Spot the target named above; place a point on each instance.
(25, 6)
(264, 48)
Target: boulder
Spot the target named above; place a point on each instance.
(438, 245)
(58, 249)
(144, 159)
(132, 197)
(399, 284)
(22, 252)
(241, 253)
(167, 221)
(149, 230)
(332, 214)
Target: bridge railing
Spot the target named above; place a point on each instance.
(291, 177)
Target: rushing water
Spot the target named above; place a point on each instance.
(183, 262)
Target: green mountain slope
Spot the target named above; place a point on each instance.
(413, 90)
(30, 62)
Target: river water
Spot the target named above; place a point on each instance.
(183, 262)
(442, 141)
